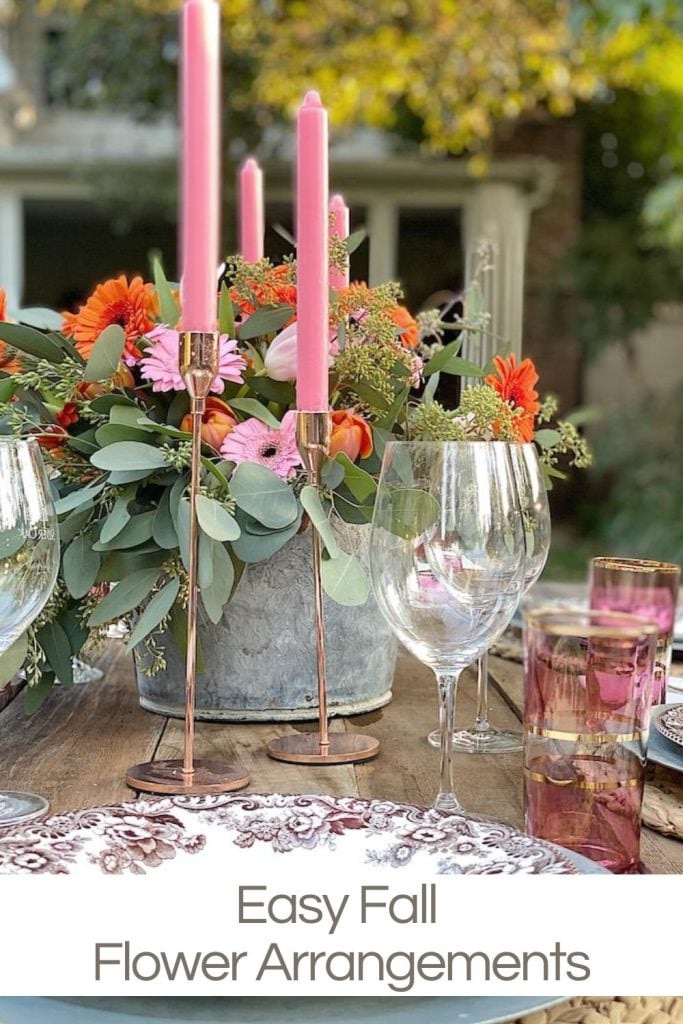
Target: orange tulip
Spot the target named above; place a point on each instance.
(409, 336)
(351, 434)
(217, 422)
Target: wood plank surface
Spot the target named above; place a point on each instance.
(77, 748)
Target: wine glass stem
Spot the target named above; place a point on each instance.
(447, 684)
(481, 722)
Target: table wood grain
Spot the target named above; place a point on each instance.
(76, 749)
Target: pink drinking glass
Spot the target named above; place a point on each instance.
(647, 589)
(587, 697)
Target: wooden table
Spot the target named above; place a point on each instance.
(76, 750)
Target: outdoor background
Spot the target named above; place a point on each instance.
(556, 128)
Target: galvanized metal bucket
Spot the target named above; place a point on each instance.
(259, 662)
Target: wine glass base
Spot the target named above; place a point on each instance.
(16, 808)
(491, 741)
(305, 748)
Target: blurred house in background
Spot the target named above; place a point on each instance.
(64, 226)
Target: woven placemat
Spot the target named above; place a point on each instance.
(663, 803)
(613, 1010)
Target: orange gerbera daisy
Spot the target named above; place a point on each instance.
(409, 335)
(132, 305)
(515, 384)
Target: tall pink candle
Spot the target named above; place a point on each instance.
(201, 158)
(252, 221)
(313, 273)
(339, 228)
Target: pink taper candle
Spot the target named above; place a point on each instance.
(312, 255)
(201, 159)
(339, 228)
(252, 224)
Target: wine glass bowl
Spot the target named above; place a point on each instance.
(29, 562)
(446, 559)
(481, 737)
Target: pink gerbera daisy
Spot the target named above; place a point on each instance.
(160, 362)
(254, 441)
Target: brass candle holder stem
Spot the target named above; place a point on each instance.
(198, 359)
(314, 431)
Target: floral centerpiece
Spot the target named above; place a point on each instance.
(101, 391)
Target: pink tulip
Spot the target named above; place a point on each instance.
(280, 361)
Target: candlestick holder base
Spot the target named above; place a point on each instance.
(168, 777)
(306, 748)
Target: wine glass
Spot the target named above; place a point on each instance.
(482, 738)
(446, 560)
(29, 561)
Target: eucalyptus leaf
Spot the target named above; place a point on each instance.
(119, 515)
(395, 408)
(106, 354)
(267, 320)
(182, 525)
(77, 498)
(163, 528)
(110, 433)
(57, 649)
(118, 478)
(168, 307)
(216, 593)
(413, 512)
(310, 499)
(12, 659)
(120, 564)
(136, 531)
(349, 508)
(261, 493)
(255, 408)
(250, 547)
(12, 540)
(33, 342)
(105, 403)
(547, 437)
(125, 596)
(74, 523)
(155, 612)
(215, 520)
(38, 316)
(129, 456)
(84, 443)
(332, 473)
(345, 580)
(125, 415)
(80, 566)
(361, 485)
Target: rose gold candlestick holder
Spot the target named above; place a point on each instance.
(198, 367)
(313, 431)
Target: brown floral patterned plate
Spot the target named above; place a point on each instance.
(670, 723)
(163, 834)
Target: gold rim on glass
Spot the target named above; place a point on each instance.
(634, 565)
(565, 622)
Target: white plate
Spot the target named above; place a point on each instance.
(406, 1010)
(179, 836)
